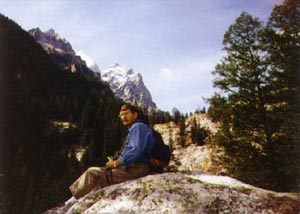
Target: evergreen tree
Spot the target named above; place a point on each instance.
(282, 38)
(176, 115)
(242, 74)
(260, 117)
(198, 133)
(218, 108)
(182, 133)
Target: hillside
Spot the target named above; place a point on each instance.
(190, 156)
(37, 96)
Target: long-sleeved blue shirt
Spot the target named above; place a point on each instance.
(138, 145)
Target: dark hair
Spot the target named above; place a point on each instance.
(130, 107)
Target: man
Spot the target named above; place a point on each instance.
(132, 163)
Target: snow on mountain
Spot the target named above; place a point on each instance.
(129, 86)
(126, 84)
(61, 51)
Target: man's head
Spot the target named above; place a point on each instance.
(128, 114)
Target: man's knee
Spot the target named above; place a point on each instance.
(94, 172)
(94, 169)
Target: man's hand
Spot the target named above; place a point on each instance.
(110, 164)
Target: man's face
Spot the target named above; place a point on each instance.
(128, 117)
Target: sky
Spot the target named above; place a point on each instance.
(173, 44)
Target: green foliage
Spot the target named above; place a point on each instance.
(259, 113)
(198, 133)
(182, 133)
(283, 38)
(218, 107)
(176, 115)
(159, 117)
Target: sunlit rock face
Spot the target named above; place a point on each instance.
(191, 157)
(183, 193)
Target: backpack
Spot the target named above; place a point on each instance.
(160, 154)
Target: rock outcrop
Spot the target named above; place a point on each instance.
(181, 193)
(191, 157)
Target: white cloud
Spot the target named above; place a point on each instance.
(166, 72)
(89, 61)
(168, 75)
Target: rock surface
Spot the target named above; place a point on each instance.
(198, 158)
(191, 157)
(183, 192)
(171, 131)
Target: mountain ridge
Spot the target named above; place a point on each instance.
(126, 84)
(36, 156)
(61, 51)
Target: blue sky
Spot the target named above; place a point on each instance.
(174, 44)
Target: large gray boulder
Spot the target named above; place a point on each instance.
(181, 193)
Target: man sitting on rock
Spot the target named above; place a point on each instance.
(131, 164)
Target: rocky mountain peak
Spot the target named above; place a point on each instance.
(51, 40)
(51, 32)
(128, 85)
(61, 51)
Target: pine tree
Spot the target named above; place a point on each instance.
(182, 133)
(282, 39)
(176, 115)
(242, 74)
(260, 116)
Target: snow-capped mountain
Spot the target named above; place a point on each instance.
(126, 84)
(62, 52)
(129, 86)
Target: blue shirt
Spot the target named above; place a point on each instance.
(138, 145)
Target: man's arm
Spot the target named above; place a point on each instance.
(135, 144)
